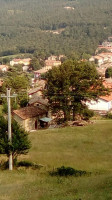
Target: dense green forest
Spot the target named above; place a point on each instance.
(28, 26)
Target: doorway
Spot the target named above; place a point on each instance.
(36, 124)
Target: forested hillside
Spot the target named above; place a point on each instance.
(50, 26)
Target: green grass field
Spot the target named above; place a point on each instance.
(86, 148)
(16, 56)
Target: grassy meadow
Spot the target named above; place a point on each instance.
(86, 148)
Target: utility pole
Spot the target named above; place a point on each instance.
(8, 96)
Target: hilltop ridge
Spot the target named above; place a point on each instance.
(53, 26)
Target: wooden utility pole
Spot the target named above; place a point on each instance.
(8, 96)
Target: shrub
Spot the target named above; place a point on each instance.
(20, 141)
(67, 171)
(25, 164)
(23, 103)
(108, 73)
(87, 114)
(28, 164)
(109, 115)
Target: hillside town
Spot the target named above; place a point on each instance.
(103, 61)
(103, 56)
(55, 99)
(36, 114)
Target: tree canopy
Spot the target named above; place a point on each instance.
(16, 82)
(48, 26)
(36, 64)
(19, 84)
(70, 85)
(20, 142)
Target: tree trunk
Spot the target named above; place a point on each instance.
(66, 115)
(74, 114)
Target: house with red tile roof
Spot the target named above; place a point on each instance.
(49, 64)
(30, 117)
(25, 61)
(37, 90)
(52, 57)
(104, 103)
(107, 48)
(52, 63)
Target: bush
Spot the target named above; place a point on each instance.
(108, 73)
(20, 141)
(4, 165)
(67, 171)
(5, 108)
(87, 114)
(109, 115)
(28, 164)
(25, 164)
(23, 103)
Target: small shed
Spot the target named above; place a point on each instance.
(44, 122)
(29, 117)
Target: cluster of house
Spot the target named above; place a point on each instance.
(103, 60)
(36, 115)
(52, 61)
(106, 45)
(103, 56)
(24, 62)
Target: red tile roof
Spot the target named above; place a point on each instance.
(52, 62)
(22, 60)
(107, 97)
(38, 99)
(29, 112)
(103, 47)
(107, 84)
(35, 90)
(98, 57)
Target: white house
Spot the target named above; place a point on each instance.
(97, 59)
(101, 58)
(25, 68)
(104, 103)
(52, 57)
(3, 68)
